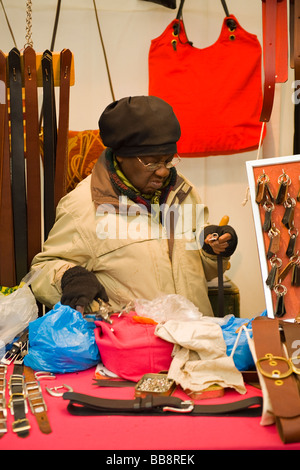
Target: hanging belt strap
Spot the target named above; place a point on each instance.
(7, 259)
(278, 375)
(18, 164)
(295, 63)
(63, 126)
(86, 405)
(32, 154)
(275, 45)
(50, 138)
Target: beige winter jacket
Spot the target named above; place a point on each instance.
(133, 256)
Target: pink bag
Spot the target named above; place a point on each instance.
(130, 349)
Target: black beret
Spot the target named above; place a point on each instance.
(140, 125)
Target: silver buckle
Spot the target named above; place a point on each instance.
(35, 399)
(188, 409)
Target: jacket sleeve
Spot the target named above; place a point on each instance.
(65, 247)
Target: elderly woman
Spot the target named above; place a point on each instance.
(134, 228)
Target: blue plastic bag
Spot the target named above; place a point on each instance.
(242, 356)
(62, 341)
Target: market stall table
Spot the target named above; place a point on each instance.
(139, 433)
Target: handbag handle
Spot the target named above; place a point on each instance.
(230, 23)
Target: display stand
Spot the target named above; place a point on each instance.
(270, 171)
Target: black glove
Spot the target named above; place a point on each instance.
(81, 287)
(220, 230)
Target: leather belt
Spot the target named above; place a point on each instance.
(275, 46)
(295, 63)
(50, 137)
(63, 125)
(18, 164)
(3, 410)
(277, 373)
(17, 402)
(86, 405)
(32, 154)
(7, 259)
(36, 401)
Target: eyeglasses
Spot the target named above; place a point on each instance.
(155, 166)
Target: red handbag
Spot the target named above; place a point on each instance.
(216, 91)
(129, 347)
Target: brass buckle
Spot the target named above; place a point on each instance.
(20, 425)
(273, 361)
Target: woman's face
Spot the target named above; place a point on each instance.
(147, 182)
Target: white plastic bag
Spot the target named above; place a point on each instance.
(167, 307)
(17, 310)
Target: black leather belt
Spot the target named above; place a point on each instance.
(50, 138)
(86, 405)
(63, 125)
(18, 164)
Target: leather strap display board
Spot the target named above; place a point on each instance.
(274, 188)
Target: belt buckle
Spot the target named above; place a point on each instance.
(20, 425)
(187, 409)
(275, 374)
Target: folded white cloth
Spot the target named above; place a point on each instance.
(199, 355)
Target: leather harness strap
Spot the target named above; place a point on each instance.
(32, 154)
(7, 259)
(275, 44)
(36, 401)
(63, 126)
(17, 402)
(280, 381)
(86, 405)
(270, 14)
(18, 164)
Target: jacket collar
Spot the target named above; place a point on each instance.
(103, 192)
